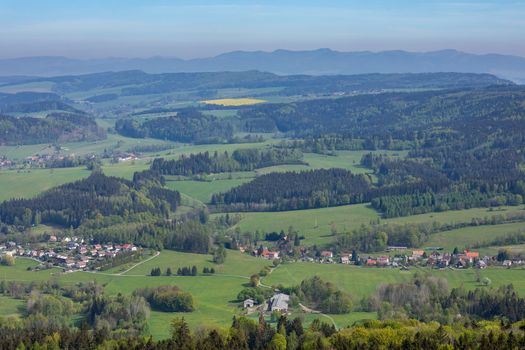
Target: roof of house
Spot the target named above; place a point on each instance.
(280, 301)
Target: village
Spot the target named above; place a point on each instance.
(73, 253)
(399, 257)
(59, 160)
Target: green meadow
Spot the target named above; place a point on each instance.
(215, 295)
(316, 224)
(362, 281)
(29, 183)
(468, 236)
(203, 190)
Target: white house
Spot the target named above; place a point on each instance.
(248, 303)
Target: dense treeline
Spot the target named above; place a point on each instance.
(322, 296)
(186, 126)
(147, 230)
(240, 160)
(247, 334)
(167, 298)
(419, 203)
(498, 187)
(312, 189)
(291, 190)
(55, 128)
(428, 298)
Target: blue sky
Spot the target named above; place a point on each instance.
(144, 28)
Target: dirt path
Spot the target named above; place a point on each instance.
(269, 273)
(137, 264)
(312, 311)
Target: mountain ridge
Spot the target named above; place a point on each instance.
(321, 61)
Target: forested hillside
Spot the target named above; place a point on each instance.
(55, 128)
(398, 116)
(290, 191)
(110, 209)
(465, 145)
(27, 102)
(74, 203)
(186, 126)
(135, 82)
(240, 160)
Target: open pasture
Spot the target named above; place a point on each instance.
(316, 224)
(29, 183)
(469, 236)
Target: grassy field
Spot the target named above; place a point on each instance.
(44, 86)
(349, 160)
(11, 307)
(14, 184)
(214, 295)
(202, 190)
(362, 281)
(469, 236)
(236, 263)
(234, 101)
(513, 249)
(315, 224)
(125, 169)
(112, 142)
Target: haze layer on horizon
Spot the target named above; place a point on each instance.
(189, 29)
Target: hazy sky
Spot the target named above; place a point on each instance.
(143, 28)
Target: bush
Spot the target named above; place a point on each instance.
(7, 260)
(167, 298)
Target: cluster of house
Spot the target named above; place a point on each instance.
(37, 159)
(120, 157)
(436, 258)
(264, 252)
(70, 253)
(278, 302)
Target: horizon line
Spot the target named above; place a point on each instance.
(261, 52)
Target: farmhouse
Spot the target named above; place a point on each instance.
(383, 260)
(265, 253)
(279, 302)
(371, 262)
(417, 254)
(327, 254)
(248, 303)
(345, 259)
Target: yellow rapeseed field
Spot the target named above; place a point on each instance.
(234, 101)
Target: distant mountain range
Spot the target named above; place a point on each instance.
(316, 62)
